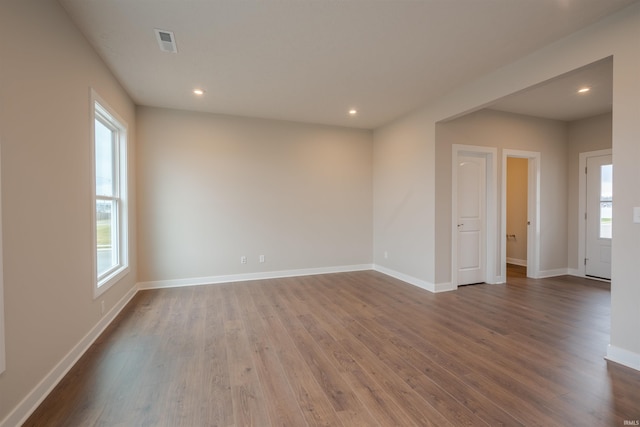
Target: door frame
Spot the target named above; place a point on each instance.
(582, 205)
(490, 154)
(533, 212)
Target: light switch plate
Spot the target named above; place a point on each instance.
(636, 215)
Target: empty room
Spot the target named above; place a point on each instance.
(338, 213)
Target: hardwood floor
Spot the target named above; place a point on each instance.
(353, 349)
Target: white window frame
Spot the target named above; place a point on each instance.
(100, 110)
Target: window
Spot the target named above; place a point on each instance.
(606, 200)
(110, 167)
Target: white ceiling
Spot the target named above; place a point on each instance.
(313, 60)
(559, 98)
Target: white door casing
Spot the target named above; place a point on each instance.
(489, 247)
(597, 233)
(582, 207)
(533, 212)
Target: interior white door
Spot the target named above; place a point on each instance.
(598, 216)
(471, 223)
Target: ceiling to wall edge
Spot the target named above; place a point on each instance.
(528, 91)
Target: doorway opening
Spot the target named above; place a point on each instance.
(520, 224)
(517, 218)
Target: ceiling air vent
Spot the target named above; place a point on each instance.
(166, 41)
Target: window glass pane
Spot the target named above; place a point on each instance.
(106, 237)
(606, 201)
(110, 197)
(605, 220)
(606, 182)
(104, 160)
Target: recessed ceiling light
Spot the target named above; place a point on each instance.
(198, 92)
(584, 90)
(353, 112)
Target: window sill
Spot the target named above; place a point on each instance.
(109, 281)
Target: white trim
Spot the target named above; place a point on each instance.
(623, 357)
(582, 204)
(230, 278)
(515, 261)
(491, 155)
(543, 274)
(533, 212)
(428, 286)
(574, 272)
(99, 107)
(25, 408)
(444, 287)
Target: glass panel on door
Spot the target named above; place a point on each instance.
(606, 201)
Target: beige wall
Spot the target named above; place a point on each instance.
(214, 188)
(398, 187)
(490, 128)
(46, 70)
(590, 134)
(517, 192)
(403, 211)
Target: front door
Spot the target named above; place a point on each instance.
(471, 214)
(599, 218)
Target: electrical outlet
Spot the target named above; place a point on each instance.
(102, 307)
(386, 254)
(261, 258)
(243, 259)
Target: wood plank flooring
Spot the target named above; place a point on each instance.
(353, 349)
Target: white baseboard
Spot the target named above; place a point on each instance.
(440, 287)
(35, 397)
(210, 280)
(574, 272)
(623, 357)
(516, 261)
(445, 287)
(542, 274)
